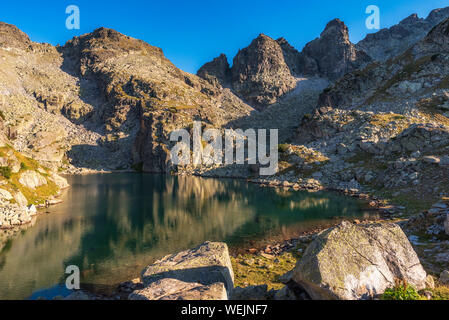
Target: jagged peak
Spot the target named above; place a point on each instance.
(438, 15)
(336, 29)
(413, 18)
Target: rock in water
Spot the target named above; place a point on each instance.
(207, 264)
(172, 289)
(352, 262)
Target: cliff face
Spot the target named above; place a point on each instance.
(389, 42)
(267, 70)
(260, 73)
(90, 103)
(108, 101)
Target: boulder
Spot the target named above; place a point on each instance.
(5, 195)
(21, 200)
(32, 179)
(59, 181)
(173, 289)
(206, 264)
(353, 262)
(444, 277)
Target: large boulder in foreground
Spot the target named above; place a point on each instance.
(353, 262)
(204, 265)
(172, 289)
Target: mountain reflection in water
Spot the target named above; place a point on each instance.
(112, 225)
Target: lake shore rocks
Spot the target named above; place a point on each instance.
(352, 262)
(173, 289)
(193, 273)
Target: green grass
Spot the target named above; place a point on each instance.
(6, 172)
(401, 291)
(253, 270)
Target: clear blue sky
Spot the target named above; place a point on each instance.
(193, 32)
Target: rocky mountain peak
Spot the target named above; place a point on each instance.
(260, 73)
(411, 19)
(217, 71)
(388, 43)
(336, 30)
(12, 37)
(291, 55)
(332, 55)
(438, 15)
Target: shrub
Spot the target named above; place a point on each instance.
(23, 166)
(401, 291)
(6, 172)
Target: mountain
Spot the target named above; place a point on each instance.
(389, 42)
(102, 101)
(332, 55)
(267, 69)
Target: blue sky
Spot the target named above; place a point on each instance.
(193, 32)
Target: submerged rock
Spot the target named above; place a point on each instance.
(206, 264)
(352, 262)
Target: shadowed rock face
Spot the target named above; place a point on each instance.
(216, 72)
(332, 55)
(260, 74)
(207, 264)
(387, 43)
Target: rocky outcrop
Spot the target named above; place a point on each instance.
(172, 289)
(388, 43)
(403, 80)
(32, 179)
(260, 74)
(217, 72)
(12, 37)
(199, 271)
(332, 55)
(358, 262)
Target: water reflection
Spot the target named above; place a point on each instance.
(111, 226)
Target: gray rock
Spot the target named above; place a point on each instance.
(286, 277)
(444, 277)
(358, 262)
(431, 159)
(6, 195)
(206, 264)
(32, 179)
(173, 289)
(285, 294)
(250, 293)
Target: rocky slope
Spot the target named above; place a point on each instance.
(389, 42)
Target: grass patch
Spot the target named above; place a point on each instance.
(440, 293)
(253, 270)
(401, 291)
(6, 172)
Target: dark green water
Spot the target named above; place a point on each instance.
(112, 225)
